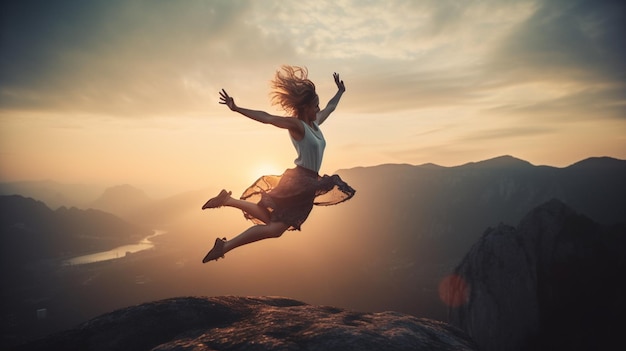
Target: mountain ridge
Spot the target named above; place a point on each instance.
(53, 193)
(56, 194)
(500, 161)
(121, 200)
(32, 231)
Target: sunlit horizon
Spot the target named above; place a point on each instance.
(108, 94)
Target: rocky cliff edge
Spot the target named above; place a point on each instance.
(253, 323)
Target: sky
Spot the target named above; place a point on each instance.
(126, 91)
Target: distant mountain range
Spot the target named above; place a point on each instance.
(54, 194)
(429, 211)
(501, 180)
(449, 207)
(121, 200)
(30, 230)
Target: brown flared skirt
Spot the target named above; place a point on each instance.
(289, 198)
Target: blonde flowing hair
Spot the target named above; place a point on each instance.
(292, 90)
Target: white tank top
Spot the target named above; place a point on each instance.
(310, 148)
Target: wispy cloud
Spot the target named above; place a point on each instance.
(506, 133)
(573, 40)
(571, 46)
(142, 57)
(124, 57)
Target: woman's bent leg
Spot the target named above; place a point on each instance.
(256, 233)
(224, 199)
(256, 211)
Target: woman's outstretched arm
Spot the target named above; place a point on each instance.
(332, 104)
(292, 124)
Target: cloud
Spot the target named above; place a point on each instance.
(138, 57)
(124, 57)
(587, 103)
(574, 38)
(506, 133)
(568, 42)
(400, 55)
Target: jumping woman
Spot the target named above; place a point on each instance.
(280, 203)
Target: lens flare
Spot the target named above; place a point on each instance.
(453, 290)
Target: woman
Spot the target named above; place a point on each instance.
(280, 203)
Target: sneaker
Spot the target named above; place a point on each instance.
(218, 201)
(216, 252)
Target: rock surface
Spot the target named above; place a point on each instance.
(554, 282)
(253, 323)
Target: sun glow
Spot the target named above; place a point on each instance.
(266, 169)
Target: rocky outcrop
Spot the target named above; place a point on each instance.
(253, 323)
(554, 282)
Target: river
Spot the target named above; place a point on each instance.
(118, 252)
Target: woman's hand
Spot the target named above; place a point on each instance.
(339, 82)
(225, 99)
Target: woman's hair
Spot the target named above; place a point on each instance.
(292, 90)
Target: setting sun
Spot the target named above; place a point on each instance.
(266, 169)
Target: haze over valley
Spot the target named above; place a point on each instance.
(386, 249)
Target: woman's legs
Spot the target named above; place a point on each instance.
(256, 211)
(224, 199)
(256, 233)
(250, 235)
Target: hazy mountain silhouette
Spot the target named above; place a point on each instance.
(53, 194)
(31, 231)
(121, 200)
(134, 206)
(174, 209)
(449, 207)
(125, 201)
